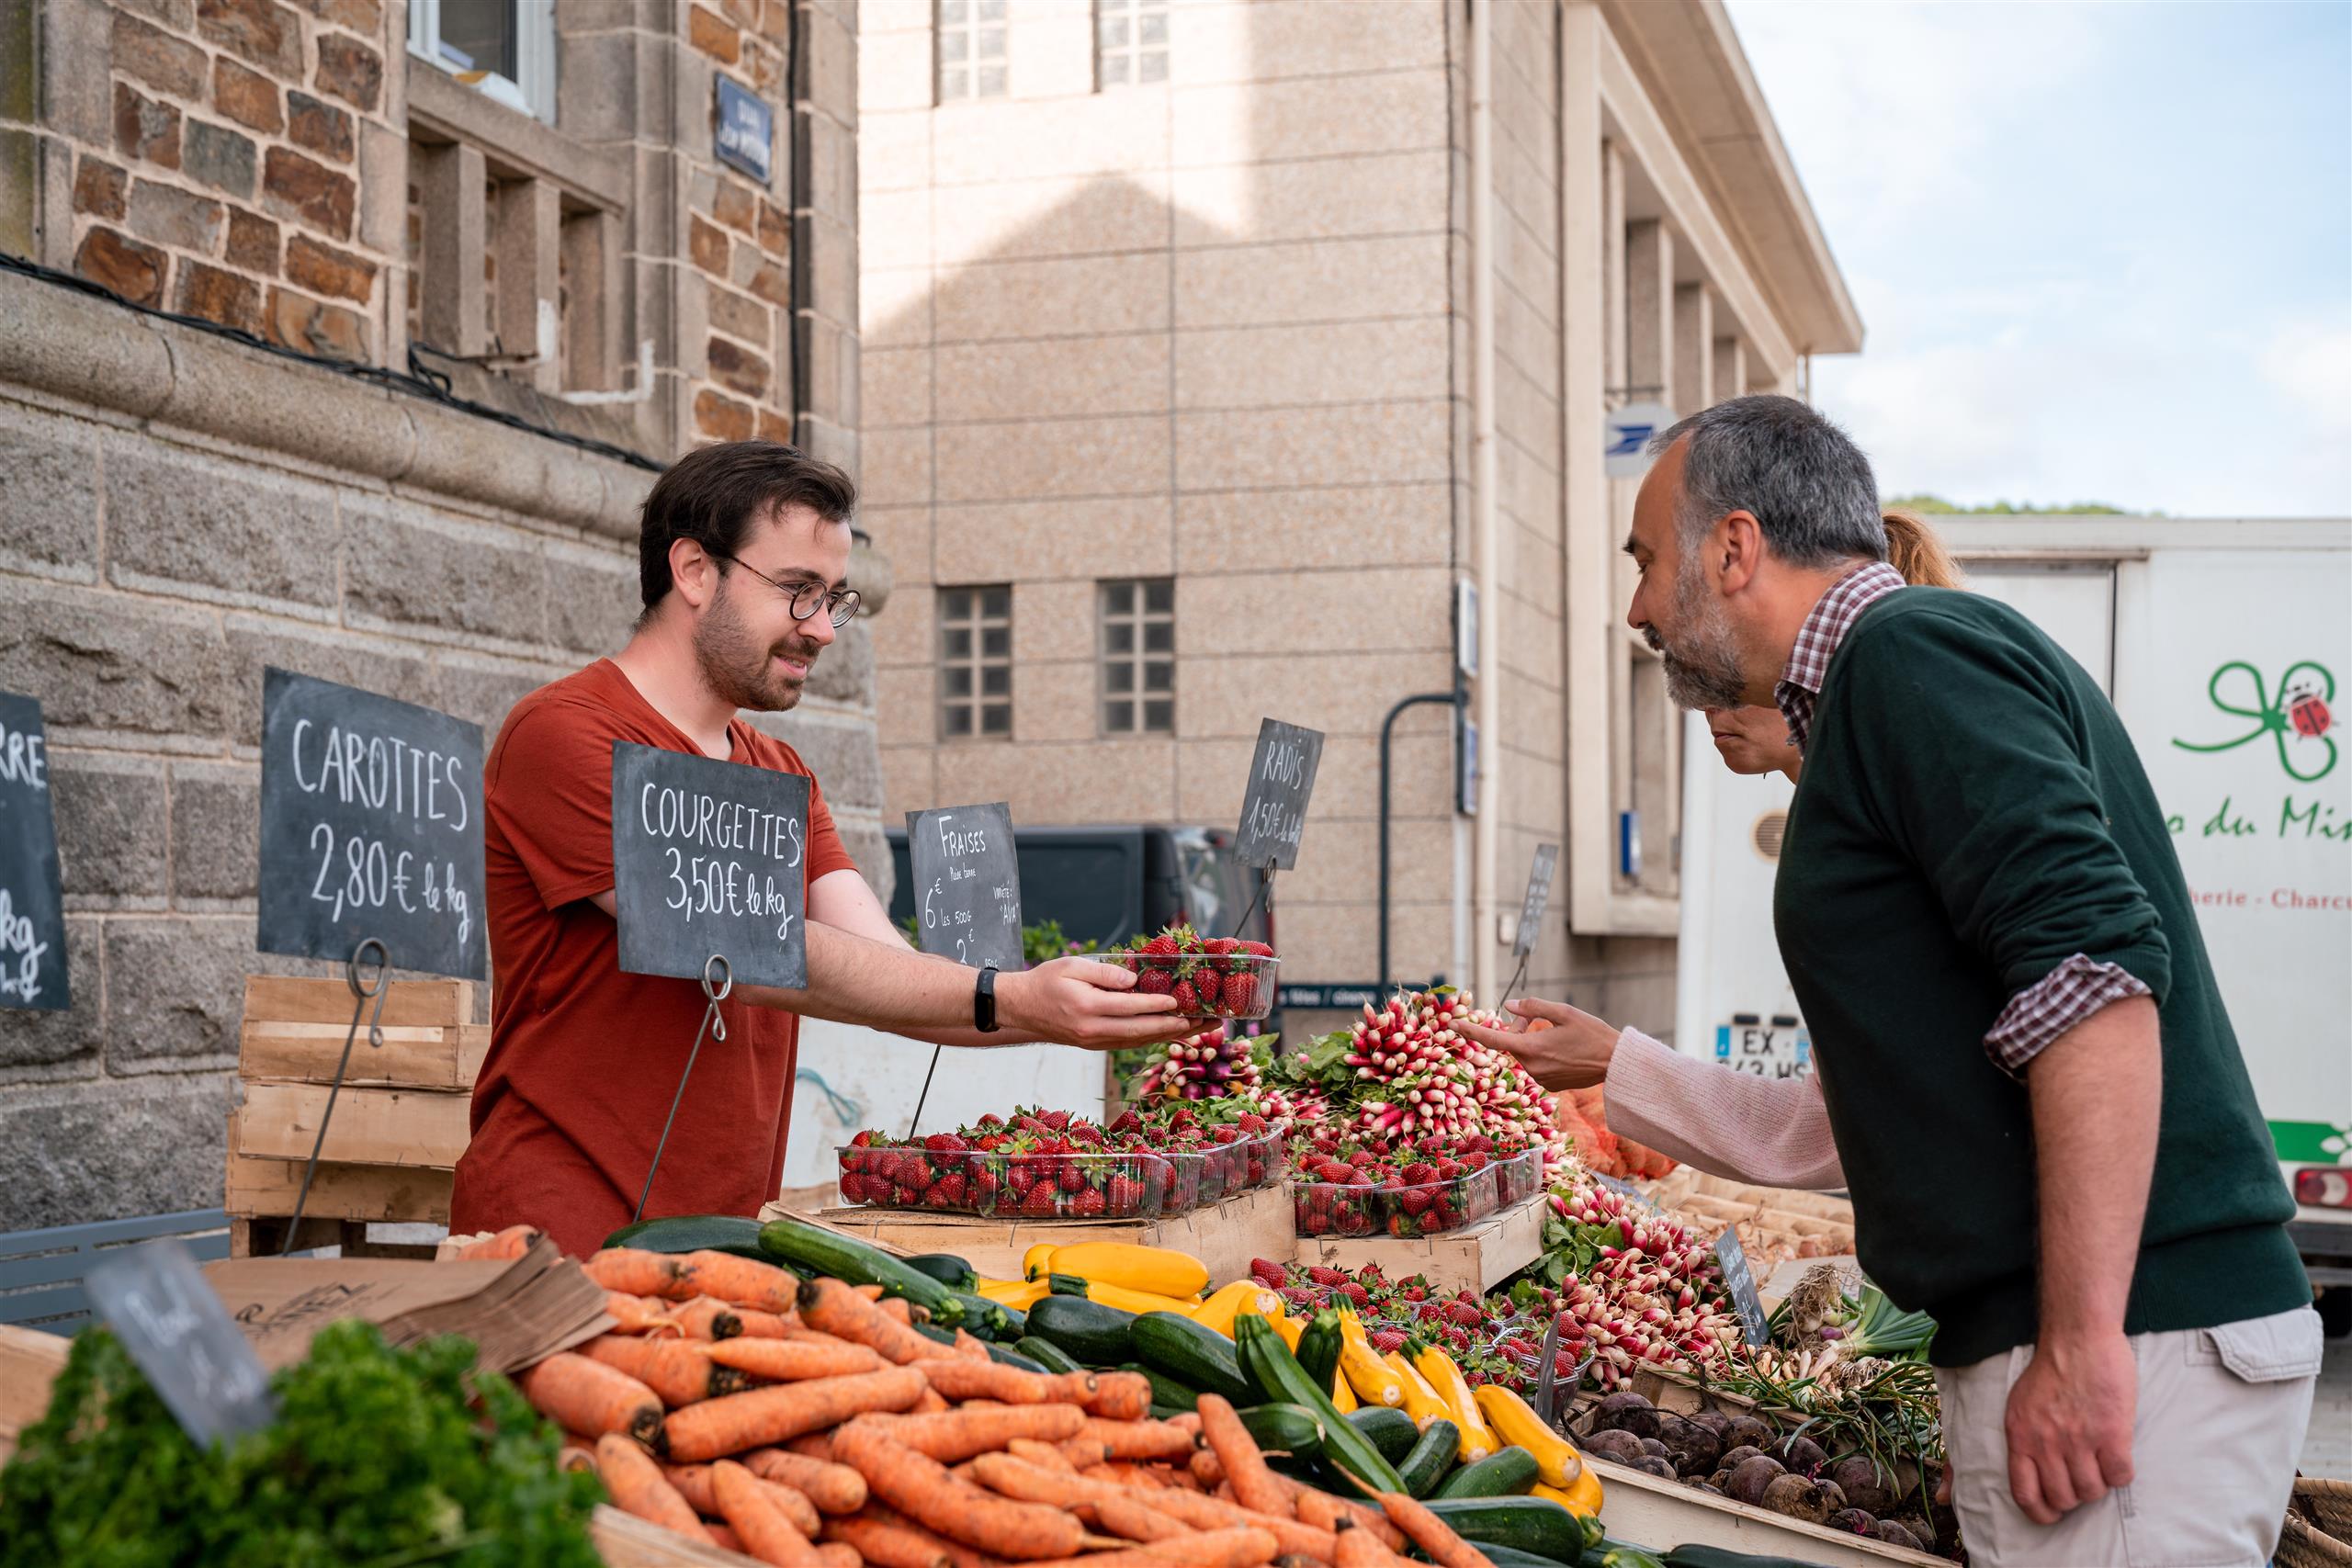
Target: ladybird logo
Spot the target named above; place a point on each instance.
(2295, 717)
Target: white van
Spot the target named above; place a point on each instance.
(2222, 644)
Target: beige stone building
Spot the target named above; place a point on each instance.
(1212, 349)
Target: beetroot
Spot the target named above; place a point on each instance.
(1802, 1455)
(1650, 1464)
(1694, 1450)
(1798, 1496)
(1627, 1413)
(1866, 1485)
(1894, 1534)
(1853, 1520)
(1714, 1421)
(1734, 1457)
(1750, 1480)
(1747, 1432)
(1656, 1449)
(1619, 1447)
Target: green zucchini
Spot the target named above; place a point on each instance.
(1193, 1354)
(1272, 1367)
(1093, 1335)
(989, 1320)
(1512, 1557)
(1391, 1430)
(1431, 1459)
(1625, 1554)
(1066, 1285)
(693, 1232)
(1005, 1356)
(1166, 1391)
(1285, 1429)
(1506, 1472)
(1047, 1354)
(1319, 1348)
(1530, 1524)
(813, 1251)
(947, 1267)
(929, 1332)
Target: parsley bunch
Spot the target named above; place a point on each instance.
(379, 1459)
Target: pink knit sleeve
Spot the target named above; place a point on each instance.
(1772, 1133)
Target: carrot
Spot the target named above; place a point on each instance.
(766, 1324)
(1243, 1546)
(812, 1445)
(1253, 1484)
(920, 1487)
(836, 1309)
(636, 1272)
(959, 1434)
(1086, 1454)
(971, 1349)
(639, 1314)
(744, 1282)
(1188, 1421)
(752, 1513)
(694, 1484)
(1361, 1549)
(887, 1540)
(836, 1554)
(574, 1455)
(795, 1360)
(1132, 1520)
(768, 1416)
(1205, 1468)
(959, 1379)
(679, 1371)
(1044, 1456)
(638, 1486)
(834, 1488)
(706, 1317)
(1323, 1509)
(510, 1243)
(1119, 1396)
(1431, 1534)
(932, 1403)
(871, 1292)
(591, 1399)
(1209, 1513)
(725, 1538)
(1142, 1440)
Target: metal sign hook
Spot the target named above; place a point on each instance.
(718, 981)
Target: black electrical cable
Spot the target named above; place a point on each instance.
(418, 382)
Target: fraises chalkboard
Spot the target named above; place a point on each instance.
(709, 858)
(1740, 1281)
(173, 1326)
(371, 826)
(32, 894)
(1539, 893)
(966, 885)
(1273, 806)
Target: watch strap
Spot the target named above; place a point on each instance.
(984, 1000)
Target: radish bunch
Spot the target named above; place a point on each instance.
(1647, 1291)
(1209, 1065)
(1415, 1073)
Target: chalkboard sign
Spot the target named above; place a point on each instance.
(33, 895)
(370, 827)
(1282, 780)
(170, 1324)
(966, 885)
(1741, 1283)
(710, 857)
(1539, 893)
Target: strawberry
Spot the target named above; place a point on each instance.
(1164, 946)
(1155, 982)
(1355, 1294)
(1420, 1173)
(945, 1144)
(1124, 1195)
(864, 1140)
(1416, 1202)
(1254, 948)
(1072, 1177)
(1238, 992)
(1089, 1204)
(1387, 1339)
(947, 1193)
(1188, 999)
(1325, 1276)
(1266, 1272)
(1466, 1313)
(1252, 1123)
(1043, 1202)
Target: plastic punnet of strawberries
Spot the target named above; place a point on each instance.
(1407, 1188)
(1209, 976)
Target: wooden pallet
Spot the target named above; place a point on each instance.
(1224, 1236)
(401, 1122)
(1477, 1258)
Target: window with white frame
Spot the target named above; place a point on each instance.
(1138, 642)
(504, 48)
(971, 40)
(1130, 42)
(975, 663)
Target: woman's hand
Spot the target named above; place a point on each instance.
(1563, 1048)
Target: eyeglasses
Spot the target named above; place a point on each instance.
(807, 597)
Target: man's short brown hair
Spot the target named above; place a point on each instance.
(713, 494)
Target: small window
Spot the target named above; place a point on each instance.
(511, 43)
(1138, 656)
(971, 39)
(1130, 42)
(975, 663)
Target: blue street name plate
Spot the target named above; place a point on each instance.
(744, 137)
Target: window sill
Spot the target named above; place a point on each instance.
(514, 145)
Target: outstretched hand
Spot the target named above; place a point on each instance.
(1082, 1002)
(1563, 1048)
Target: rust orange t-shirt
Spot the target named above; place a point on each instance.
(583, 1057)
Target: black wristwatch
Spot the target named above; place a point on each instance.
(984, 1000)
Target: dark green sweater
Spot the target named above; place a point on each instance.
(1970, 815)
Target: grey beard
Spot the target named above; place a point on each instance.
(1704, 670)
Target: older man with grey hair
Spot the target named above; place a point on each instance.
(2024, 1071)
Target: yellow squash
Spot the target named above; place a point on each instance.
(1037, 1261)
(1361, 1368)
(1343, 1398)
(1477, 1437)
(1558, 1464)
(1422, 1400)
(1583, 1499)
(1018, 1295)
(1119, 1296)
(1219, 1311)
(1289, 1327)
(1157, 1271)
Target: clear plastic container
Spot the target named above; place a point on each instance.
(1100, 1185)
(1322, 1208)
(1245, 981)
(1245, 1165)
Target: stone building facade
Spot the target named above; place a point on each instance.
(1291, 318)
(180, 508)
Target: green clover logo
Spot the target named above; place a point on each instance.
(2296, 719)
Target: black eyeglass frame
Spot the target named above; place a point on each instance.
(843, 603)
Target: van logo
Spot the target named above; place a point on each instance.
(2296, 719)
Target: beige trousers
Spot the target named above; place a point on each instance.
(2221, 1415)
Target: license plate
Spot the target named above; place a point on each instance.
(1766, 1051)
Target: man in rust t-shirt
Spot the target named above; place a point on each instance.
(742, 559)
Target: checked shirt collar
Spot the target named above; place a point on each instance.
(1833, 616)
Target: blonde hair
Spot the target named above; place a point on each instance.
(1913, 549)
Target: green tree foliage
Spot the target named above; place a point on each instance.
(1936, 505)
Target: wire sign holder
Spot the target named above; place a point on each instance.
(1531, 913)
(711, 884)
(371, 850)
(1273, 804)
(967, 895)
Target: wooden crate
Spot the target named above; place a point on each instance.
(400, 1119)
(1644, 1507)
(1224, 1236)
(1477, 1258)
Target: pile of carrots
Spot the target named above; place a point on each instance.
(808, 1424)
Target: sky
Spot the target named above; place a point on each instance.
(2101, 252)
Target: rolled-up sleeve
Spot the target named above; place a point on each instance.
(1770, 1132)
